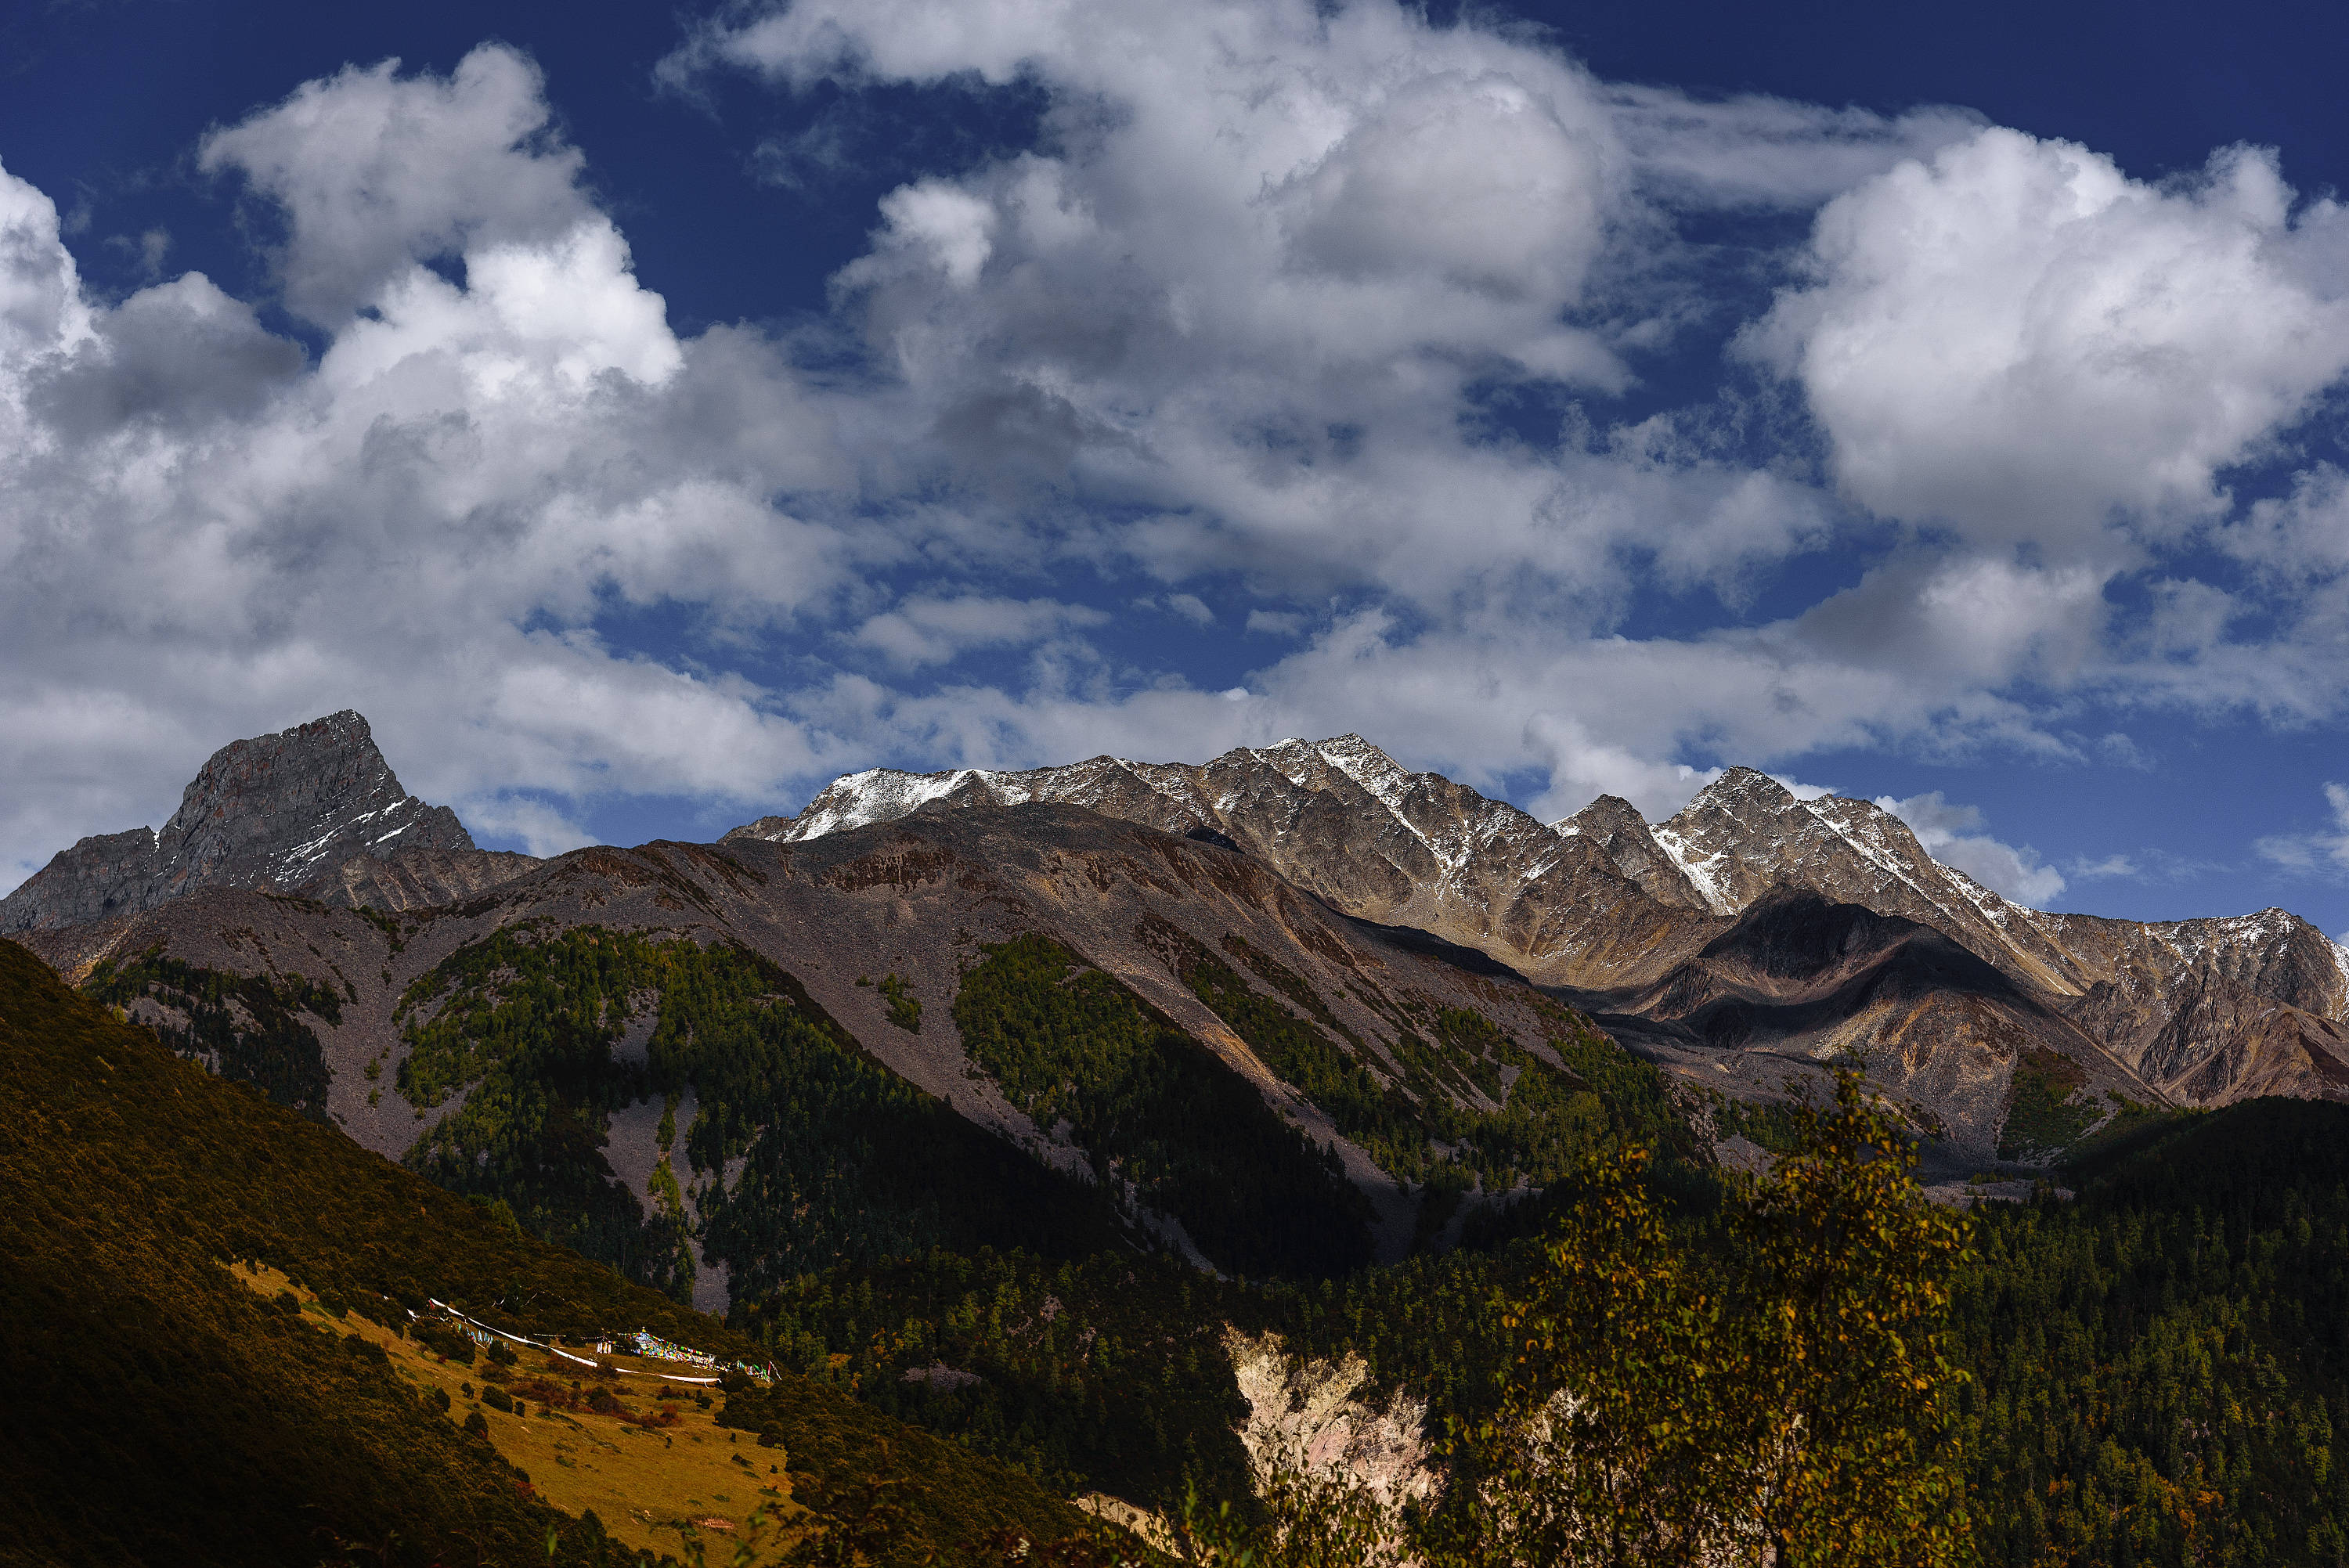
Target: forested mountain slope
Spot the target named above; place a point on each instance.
(718, 1067)
(159, 1411)
(2155, 1373)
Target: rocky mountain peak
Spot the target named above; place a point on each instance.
(1606, 816)
(1342, 818)
(855, 800)
(1615, 825)
(1605, 900)
(1365, 764)
(277, 809)
(274, 810)
(1743, 788)
(1741, 797)
(1745, 833)
(1714, 837)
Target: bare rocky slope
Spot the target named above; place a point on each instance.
(2203, 1011)
(313, 808)
(1935, 1026)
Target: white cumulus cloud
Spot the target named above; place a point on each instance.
(205, 533)
(2016, 340)
(1950, 834)
(1229, 333)
(373, 171)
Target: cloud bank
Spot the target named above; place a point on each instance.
(1233, 339)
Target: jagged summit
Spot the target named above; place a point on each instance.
(284, 810)
(278, 808)
(1615, 825)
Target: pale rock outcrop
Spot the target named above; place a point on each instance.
(1315, 1417)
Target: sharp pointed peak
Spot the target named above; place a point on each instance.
(1741, 784)
(1350, 754)
(1607, 806)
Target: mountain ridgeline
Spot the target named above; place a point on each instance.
(1642, 922)
(1044, 1009)
(313, 808)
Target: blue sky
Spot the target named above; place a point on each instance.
(645, 415)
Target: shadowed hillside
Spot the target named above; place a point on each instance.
(160, 1410)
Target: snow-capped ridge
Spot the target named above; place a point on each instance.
(1700, 868)
(1603, 899)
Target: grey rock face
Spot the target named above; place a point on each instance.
(277, 810)
(106, 873)
(422, 878)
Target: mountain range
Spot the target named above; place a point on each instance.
(1655, 925)
(1374, 1001)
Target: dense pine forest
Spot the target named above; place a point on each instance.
(2148, 1372)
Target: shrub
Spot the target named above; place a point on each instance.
(904, 1007)
(497, 1398)
(476, 1424)
(445, 1340)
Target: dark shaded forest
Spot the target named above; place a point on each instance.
(2154, 1373)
